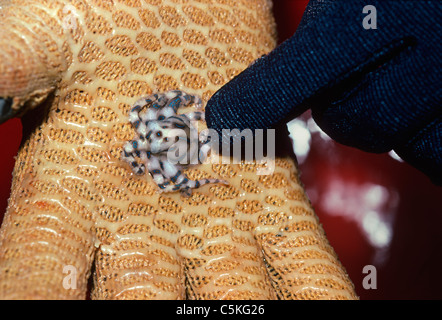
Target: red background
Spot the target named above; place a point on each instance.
(356, 196)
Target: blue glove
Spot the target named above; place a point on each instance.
(374, 84)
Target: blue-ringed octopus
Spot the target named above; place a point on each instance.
(166, 141)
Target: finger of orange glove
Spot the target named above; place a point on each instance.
(221, 257)
(39, 237)
(31, 58)
(46, 239)
(138, 260)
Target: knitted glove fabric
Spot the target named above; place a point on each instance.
(77, 211)
(374, 89)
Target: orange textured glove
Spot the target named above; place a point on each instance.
(76, 206)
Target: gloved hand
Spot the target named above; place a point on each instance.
(374, 89)
(76, 208)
